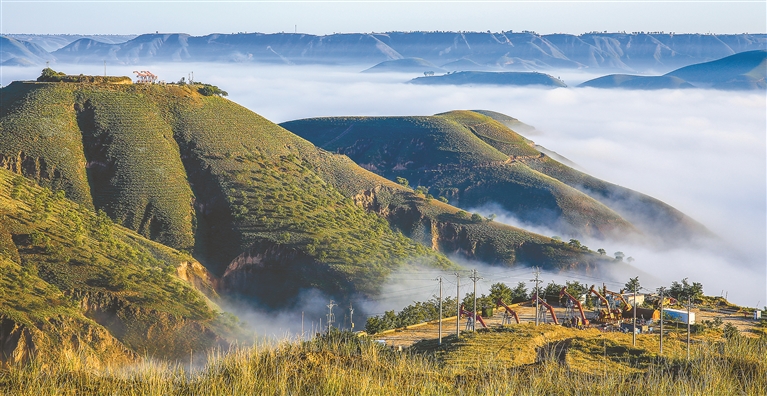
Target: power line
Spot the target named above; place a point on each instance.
(474, 277)
(458, 305)
(440, 310)
(331, 317)
(537, 296)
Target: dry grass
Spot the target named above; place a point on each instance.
(343, 364)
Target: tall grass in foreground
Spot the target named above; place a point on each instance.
(342, 364)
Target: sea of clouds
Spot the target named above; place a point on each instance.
(701, 151)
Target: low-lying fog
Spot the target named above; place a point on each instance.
(702, 151)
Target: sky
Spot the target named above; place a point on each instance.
(327, 17)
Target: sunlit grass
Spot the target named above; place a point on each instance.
(343, 364)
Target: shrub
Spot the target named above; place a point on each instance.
(210, 90)
(50, 75)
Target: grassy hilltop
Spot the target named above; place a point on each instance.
(472, 159)
(260, 207)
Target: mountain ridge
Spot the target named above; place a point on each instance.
(741, 71)
(634, 52)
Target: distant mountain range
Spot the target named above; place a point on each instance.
(635, 52)
(745, 70)
(491, 78)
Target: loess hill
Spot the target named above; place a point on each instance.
(260, 207)
(473, 158)
(72, 282)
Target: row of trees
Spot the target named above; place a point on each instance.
(576, 244)
(419, 312)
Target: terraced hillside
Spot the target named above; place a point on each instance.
(472, 159)
(264, 209)
(73, 282)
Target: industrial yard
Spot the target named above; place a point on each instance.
(429, 331)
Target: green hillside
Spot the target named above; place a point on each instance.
(453, 155)
(260, 207)
(71, 281)
(472, 159)
(202, 174)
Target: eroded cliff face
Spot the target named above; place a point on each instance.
(275, 274)
(489, 243)
(148, 331)
(200, 278)
(443, 236)
(115, 331)
(60, 336)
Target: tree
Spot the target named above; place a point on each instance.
(500, 290)
(209, 90)
(575, 288)
(630, 259)
(575, 243)
(461, 214)
(519, 293)
(476, 217)
(491, 217)
(403, 181)
(619, 256)
(684, 290)
(633, 284)
(50, 75)
(601, 251)
(442, 199)
(551, 292)
(482, 301)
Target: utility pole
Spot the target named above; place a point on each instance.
(457, 305)
(331, 318)
(475, 278)
(440, 310)
(662, 289)
(689, 305)
(634, 308)
(537, 296)
(351, 316)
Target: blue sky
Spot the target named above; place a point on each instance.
(323, 17)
